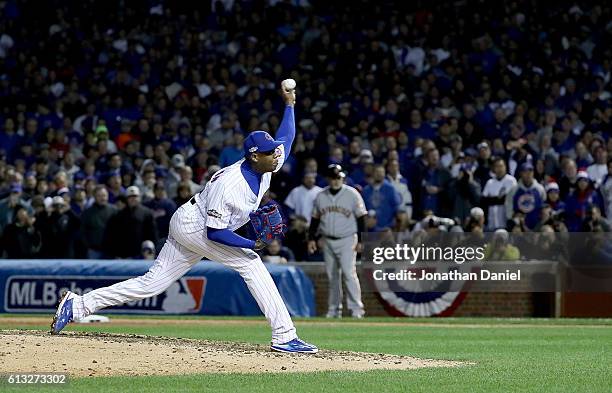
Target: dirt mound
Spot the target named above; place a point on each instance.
(100, 354)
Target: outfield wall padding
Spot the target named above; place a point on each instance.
(209, 288)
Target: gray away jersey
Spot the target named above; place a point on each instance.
(338, 212)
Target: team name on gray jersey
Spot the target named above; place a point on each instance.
(338, 212)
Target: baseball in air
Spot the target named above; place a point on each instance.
(288, 84)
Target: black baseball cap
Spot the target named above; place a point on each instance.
(334, 171)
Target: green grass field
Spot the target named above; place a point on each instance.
(510, 355)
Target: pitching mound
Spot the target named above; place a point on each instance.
(97, 354)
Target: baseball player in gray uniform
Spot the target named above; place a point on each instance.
(338, 216)
(204, 227)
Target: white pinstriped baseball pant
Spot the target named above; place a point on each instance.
(186, 245)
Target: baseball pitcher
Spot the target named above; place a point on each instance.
(204, 227)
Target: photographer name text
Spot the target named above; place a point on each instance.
(453, 275)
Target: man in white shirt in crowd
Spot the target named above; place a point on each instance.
(401, 186)
(173, 178)
(599, 169)
(494, 195)
(606, 191)
(301, 199)
(187, 178)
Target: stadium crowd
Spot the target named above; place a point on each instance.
(468, 116)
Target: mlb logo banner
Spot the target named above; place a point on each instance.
(34, 286)
(41, 294)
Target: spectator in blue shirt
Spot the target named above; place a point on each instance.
(431, 185)
(232, 152)
(9, 139)
(162, 207)
(527, 197)
(382, 197)
(418, 129)
(580, 201)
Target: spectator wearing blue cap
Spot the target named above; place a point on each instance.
(526, 198)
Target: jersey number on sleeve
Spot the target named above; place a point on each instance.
(217, 175)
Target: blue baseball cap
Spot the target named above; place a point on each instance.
(526, 166)
(260, 141)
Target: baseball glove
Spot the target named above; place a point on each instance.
(268, 223)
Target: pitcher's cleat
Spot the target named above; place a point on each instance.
(63, 315)
(295, 346)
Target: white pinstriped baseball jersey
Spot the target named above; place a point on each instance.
(227, 199)
(225, 202)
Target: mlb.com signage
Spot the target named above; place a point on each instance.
(41, 293)
(209, 288)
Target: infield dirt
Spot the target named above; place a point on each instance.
(99, 354)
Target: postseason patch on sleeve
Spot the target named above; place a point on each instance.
(281, 151)
(213, 213)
